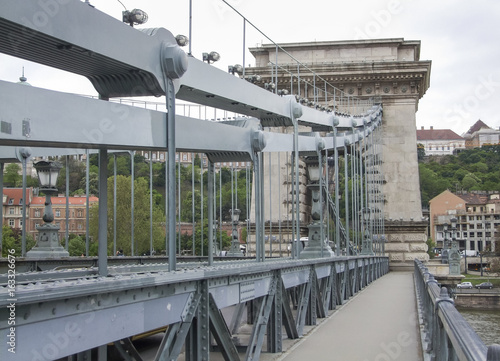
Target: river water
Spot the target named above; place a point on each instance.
(486, 323)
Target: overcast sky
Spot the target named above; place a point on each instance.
(460, 37)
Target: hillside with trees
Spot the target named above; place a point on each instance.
(470, 170)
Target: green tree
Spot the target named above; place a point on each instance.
(76, 245)
(123, 218)
(12, 239)
(420, 152)
(469, 181)
(12, 176)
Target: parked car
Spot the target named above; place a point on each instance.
(464, 285)
(485, 285)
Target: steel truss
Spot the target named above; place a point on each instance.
(65, 317)
(66, 313)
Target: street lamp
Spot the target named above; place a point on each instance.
(454, 255)
(235, 242)
(48, 239)
(444, 253)
(367, 247)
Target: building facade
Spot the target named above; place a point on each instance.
(35, 206)
(440, 141)
(77, 214)
(478, 219)
(12, 204)
(480, 134)
(186, 158)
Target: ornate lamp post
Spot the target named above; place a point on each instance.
(367, 245)
(317, 246)
(444, 253)
(235, 242)
(454, 255)
(48, 245)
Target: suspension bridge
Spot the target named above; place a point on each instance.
(239, 308)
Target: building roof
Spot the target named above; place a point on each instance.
(73, 201)
(474, 198)
(437, 134)
(477, 126)
(13, 196)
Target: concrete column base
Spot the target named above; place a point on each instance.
(406, 241)
(48, 243)
(316, 247)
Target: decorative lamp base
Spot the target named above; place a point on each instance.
(48, 243)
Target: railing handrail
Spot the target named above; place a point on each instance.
(447, 334)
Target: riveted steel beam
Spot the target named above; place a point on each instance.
(72, 36)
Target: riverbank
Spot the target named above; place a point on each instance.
(478, 299)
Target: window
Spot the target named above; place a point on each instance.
(11, 210)
(430, 147)
(177, 156)
(184, 157)
(11, 201)
(162, 156)
(37, 213)
(11, 223)
(153, 156)
(58, 213)
(448, 147)
(479, 234)
(80, 214)
(79, 226)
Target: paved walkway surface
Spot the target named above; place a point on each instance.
(379, 324)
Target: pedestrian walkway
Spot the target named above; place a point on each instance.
(378, 324)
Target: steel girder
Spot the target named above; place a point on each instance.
(59, 318)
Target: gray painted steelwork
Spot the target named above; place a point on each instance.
(447, 336)
(68, 312)
(86, 312)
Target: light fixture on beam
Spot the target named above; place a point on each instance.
(134, 17)
(282, 92)
(182, 40)
(269, 86)
(236, 68)
(211, 57)
(254, 78)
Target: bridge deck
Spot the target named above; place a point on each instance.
(380, 323)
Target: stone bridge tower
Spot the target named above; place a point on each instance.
(391, 70)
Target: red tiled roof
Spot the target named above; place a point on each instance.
(437, 134)
(477, 126)
(16, 194)
(73, 201)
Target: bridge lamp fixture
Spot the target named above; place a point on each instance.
(134, 17)
(282, 92)
(235, 242)
(269, 86)
(236, 68)
(48, 240)
(182, 40)
(254, 79)
(211, 57)
(48, 172)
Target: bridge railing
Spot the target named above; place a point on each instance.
(447, 335)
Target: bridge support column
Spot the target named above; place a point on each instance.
(406, 241)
